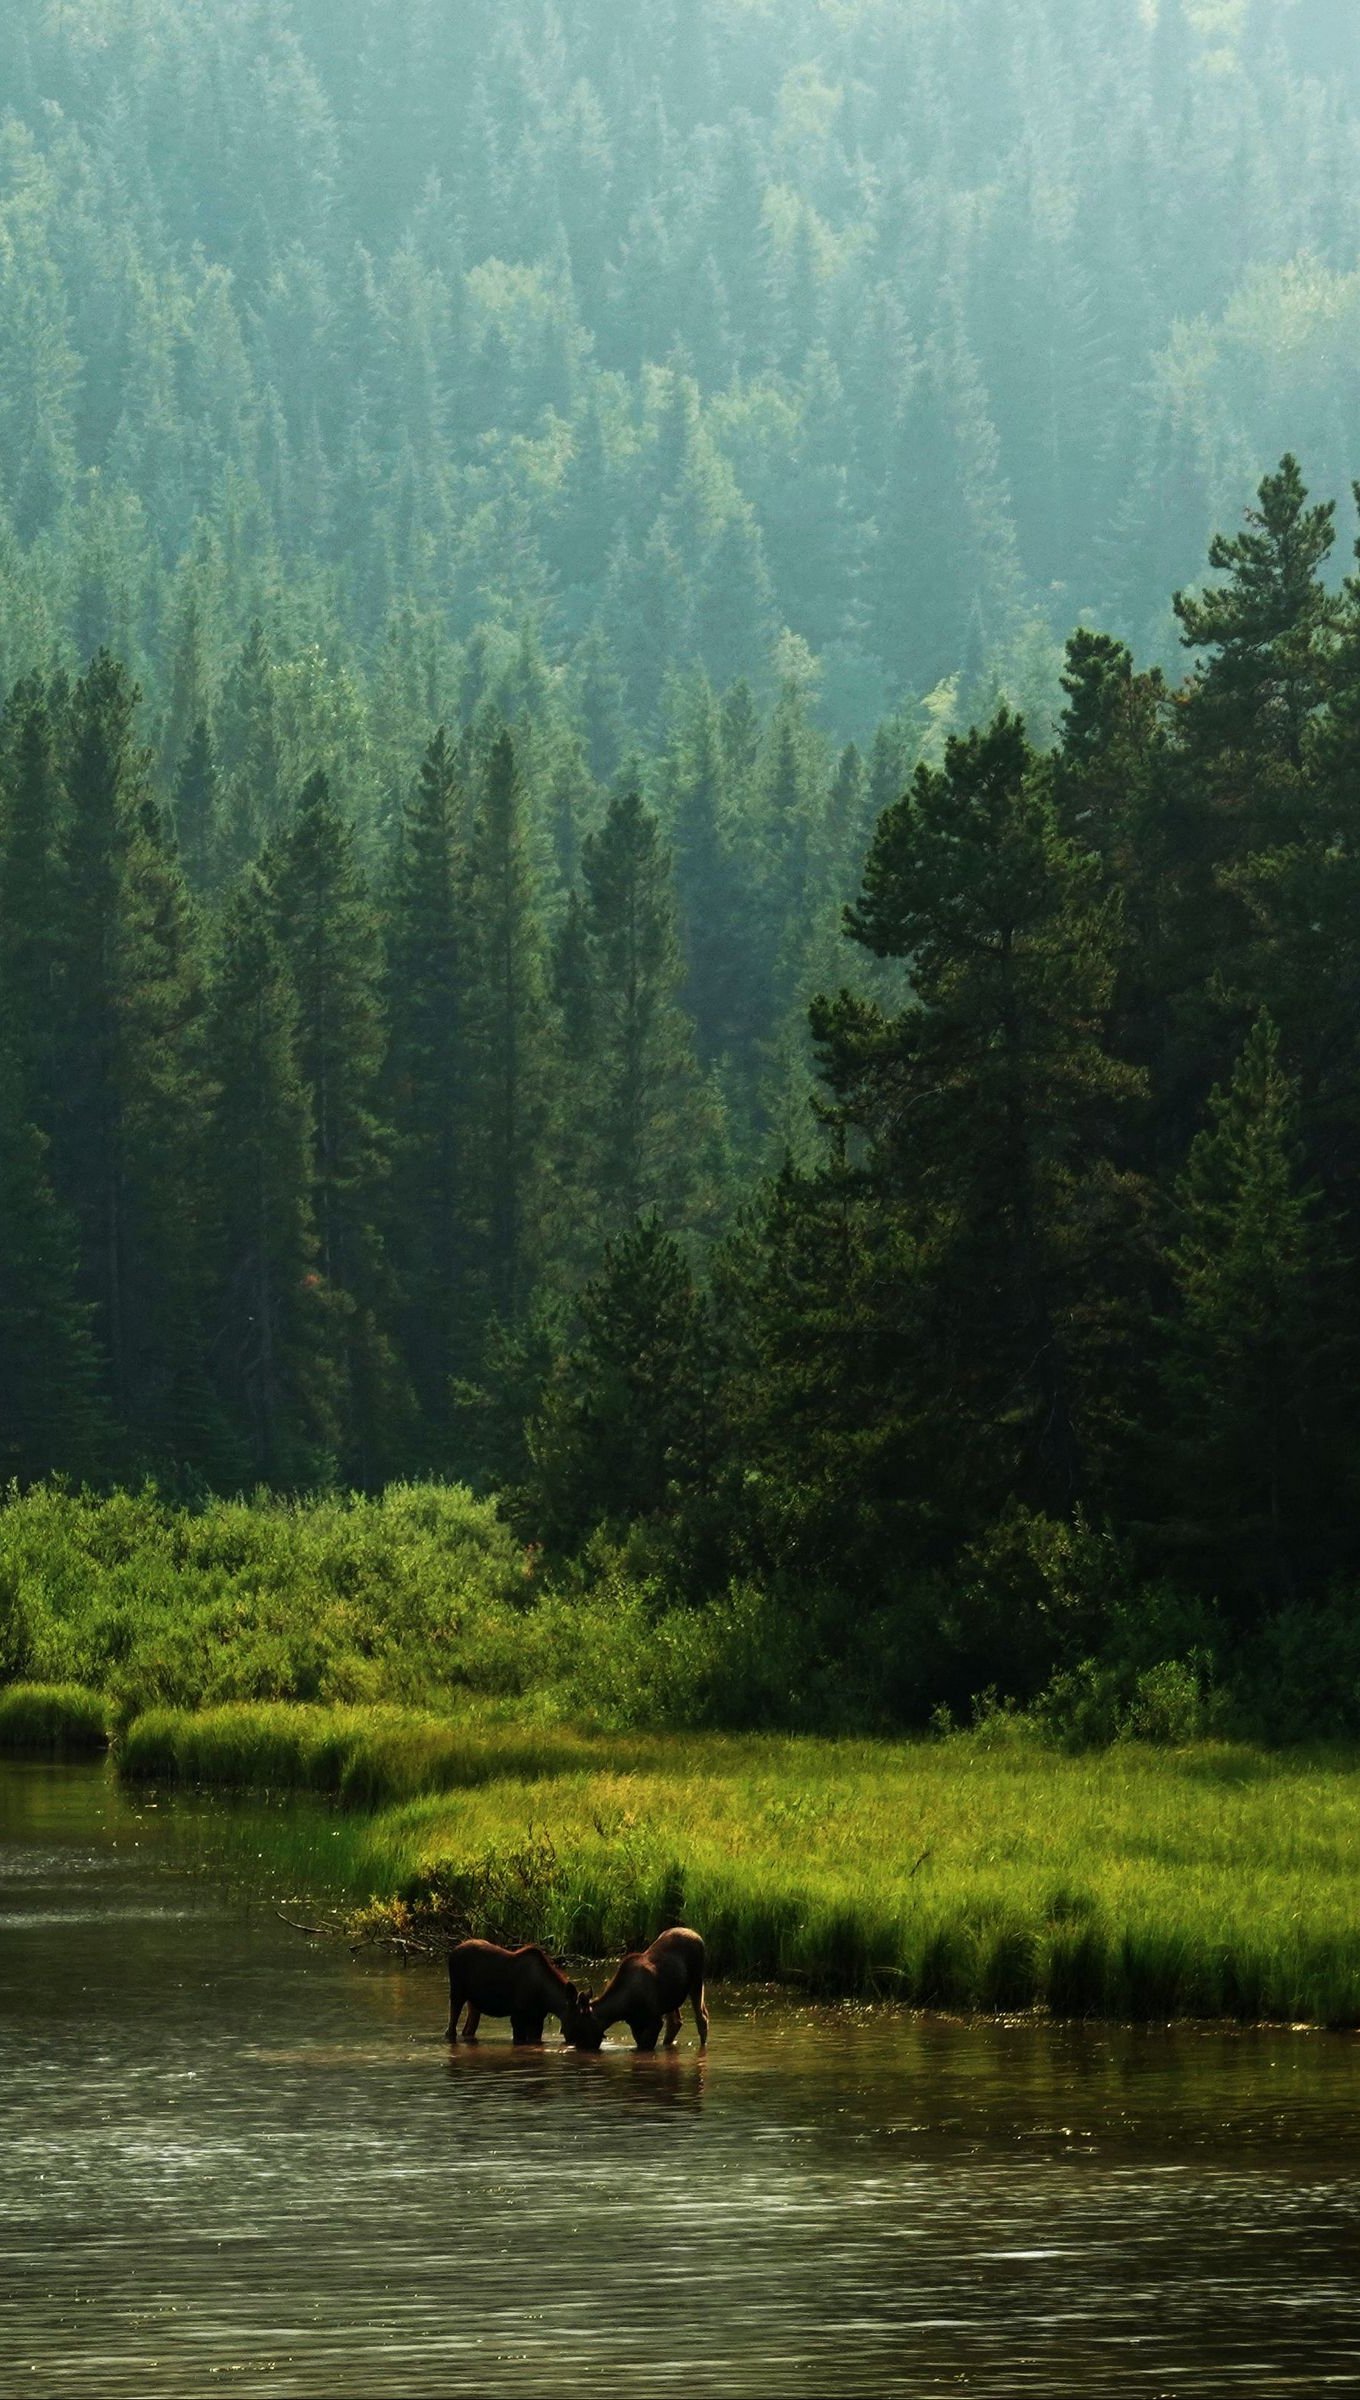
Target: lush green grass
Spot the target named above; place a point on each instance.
(51, 1721)
(1214, 1881)
(365, 1756)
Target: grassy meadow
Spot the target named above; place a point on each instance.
(968, 1873)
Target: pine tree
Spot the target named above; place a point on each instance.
(839, 1465)
(508, 1045)
(328, 930)
(51, 1419)
(987, 1107)
(621, 1437)
(847, 820)
(160, 1098)
(1253, 1432)
(794, 833)
(642, 1121)
(1237, 781)
(249, 755)
(197, 806)
(726, 1011)
(33, 900)
(273, 1329)
(425, 1083)
(1247, 713)
(127, 1153)
(102, 774)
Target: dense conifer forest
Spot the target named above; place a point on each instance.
(575, 915)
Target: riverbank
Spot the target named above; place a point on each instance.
(976, 1872)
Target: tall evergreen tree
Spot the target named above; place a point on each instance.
(1248, 710)
(197, 808)
(161, 1097)
(1254, 1428)
(621, 1437)
(51, 1418)
(641, 1116)
(273, 1327)
(508, 1050)
(250, 760)
(33, 899)
(713, 900)
(987, 1107)
(425, 1083)
(128, 1153)
(328, 930)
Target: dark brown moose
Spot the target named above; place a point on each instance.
(522, 1985)
(648, 1991)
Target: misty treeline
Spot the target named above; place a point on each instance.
(1046, 1333)
(520, 354)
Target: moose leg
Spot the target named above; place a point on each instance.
(456, 1998)
(696, 2000)
(672, 2027)
(646, 2032)
(526, 2029)
(470, 2024)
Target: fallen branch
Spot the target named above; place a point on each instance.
(329, 1932)
(402, 1943)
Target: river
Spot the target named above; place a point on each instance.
(231, 2158)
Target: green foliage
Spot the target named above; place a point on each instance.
(380, 349)
(343, 1601)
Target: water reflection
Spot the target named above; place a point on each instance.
(231, 2156)
(613, 2077)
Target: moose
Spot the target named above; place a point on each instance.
(523, 1985)
(648, 1991)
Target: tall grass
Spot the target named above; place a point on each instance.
(51, 1721)
(363, 1756)
(1217, 1881)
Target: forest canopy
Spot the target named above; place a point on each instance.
(535, 354)
(677, 801)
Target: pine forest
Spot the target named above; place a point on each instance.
(680, 816)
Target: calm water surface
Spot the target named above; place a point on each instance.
(232, 2158)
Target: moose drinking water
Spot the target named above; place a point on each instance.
(523, 1985)
(648, 1991)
